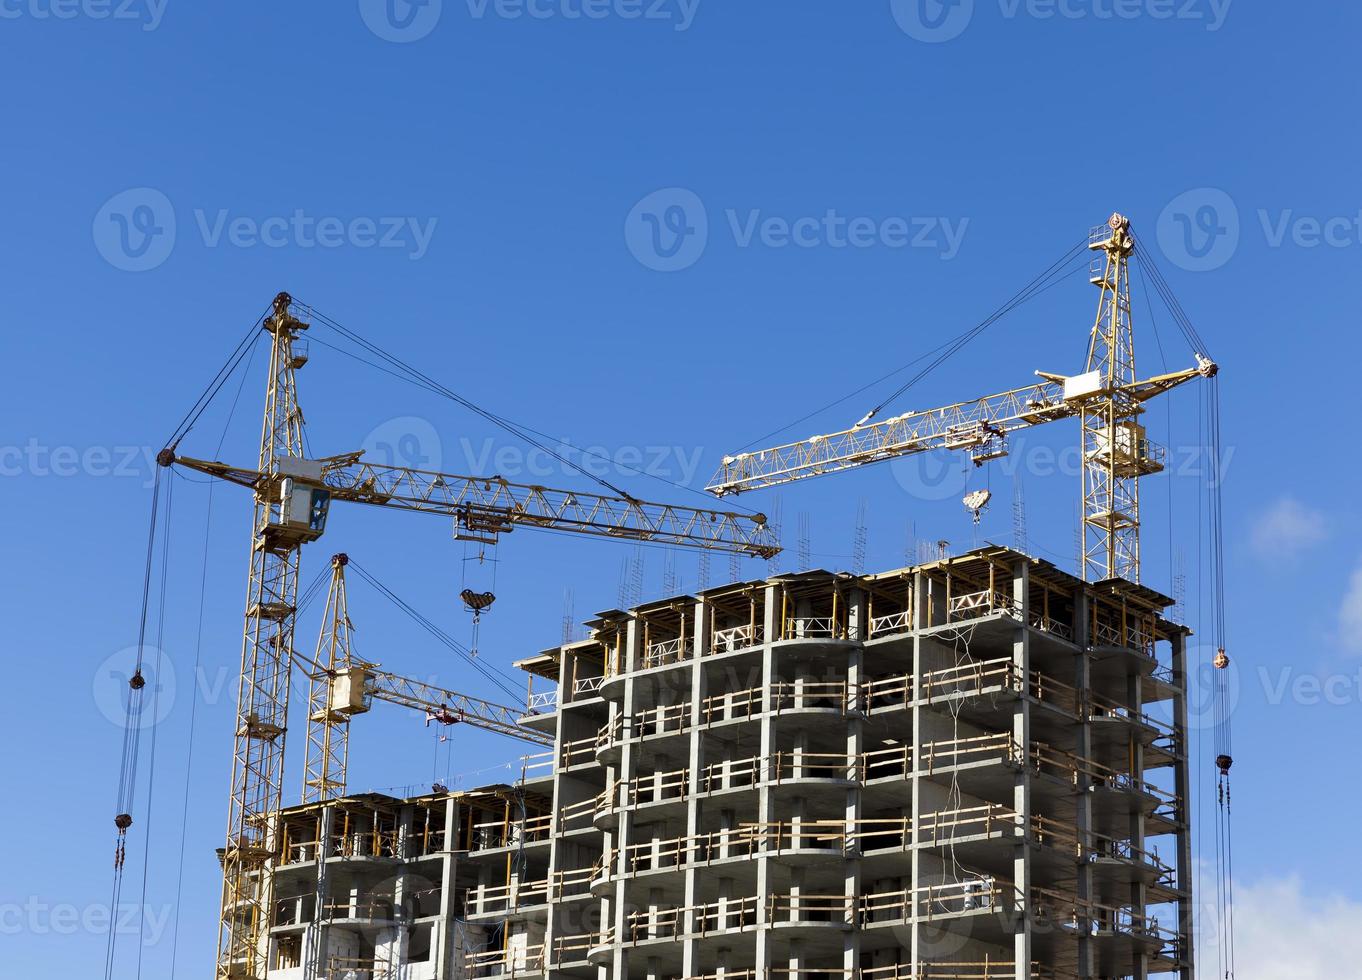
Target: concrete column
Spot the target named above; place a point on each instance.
(1186, 905)
(1083, 747)
(858, 627)
(1021, 789)
(695, 762)
(624, 825)
(1135, 698)
(315, 936)
(922, 606)
(766, 795)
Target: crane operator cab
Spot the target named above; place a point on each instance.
(303, 503)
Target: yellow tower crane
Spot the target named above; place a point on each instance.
(292, 498)
(1107, 397)
(342, 686)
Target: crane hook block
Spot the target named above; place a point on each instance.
(1223, 763)
(123, 821)
(477, 601)
(1222, 659)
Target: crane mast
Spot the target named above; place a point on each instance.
(1107, 397)
(328, 730)
(342, 687)
(1115, 451)
(266, 660)
(292, 497)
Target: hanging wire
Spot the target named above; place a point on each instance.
(430, 384)
(495, 675)
(198, 662)
(234, 360)
(133, 723)
(1213, 522)
(1051, 277)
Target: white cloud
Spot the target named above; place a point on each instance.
(1281, 933)
(1350, 614)
(1288, 528)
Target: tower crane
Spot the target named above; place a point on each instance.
(342, 686)
(1107, 397)
(292, 497)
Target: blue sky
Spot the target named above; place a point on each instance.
(663, 229)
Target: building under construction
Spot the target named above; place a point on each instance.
(972, 769)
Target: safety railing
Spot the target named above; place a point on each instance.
(577, 751)
(560, 885)
(973, 605)
(657, 787)
(813, 627)
(899, 622)
(663, 652)
(542, 701)
(743, 841)
(1093, 917)
(536, 765)
(1046, 624)
(509, 962)
(736, 638)
(588, 685)
(928, 901)
(507, 833)
(1131, 636)
(575, 816)
(950, 753)
(572, 949)
(969, 678)
(347, 967)
(807, 909)
(987, 968)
